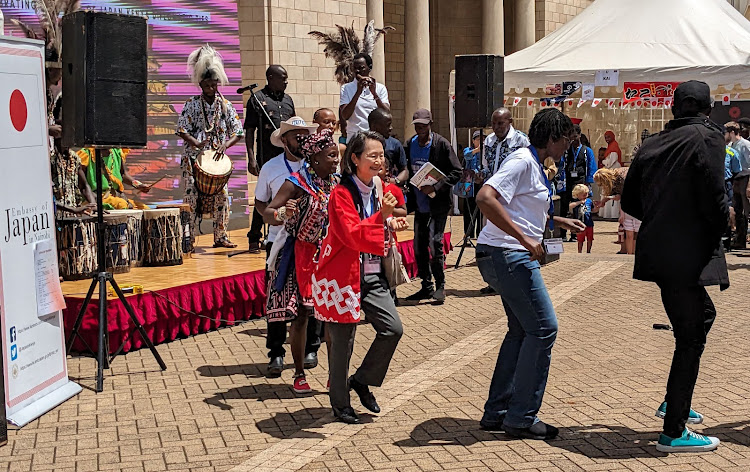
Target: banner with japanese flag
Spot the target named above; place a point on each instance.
(581, 102)
(516, 101)
(35, 370)
(611, 103)
(726, 99)
(595, 102)
(530, 102)
(569, 102)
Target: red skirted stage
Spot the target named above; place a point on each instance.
(215, 291)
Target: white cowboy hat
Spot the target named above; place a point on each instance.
(292, 123)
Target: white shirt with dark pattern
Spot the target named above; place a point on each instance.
(192, 122)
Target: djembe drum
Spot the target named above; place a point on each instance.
(188, 246)
(211, 175)
(162, 237)
(76, 247)
(117, 244)
(134, 227)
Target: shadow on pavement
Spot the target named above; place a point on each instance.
(255, 371)
(596, 442)
(260, 392)
(284, 425)
(260, 332)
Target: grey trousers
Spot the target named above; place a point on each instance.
(380, 311)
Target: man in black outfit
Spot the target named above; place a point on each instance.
(433, 203)
(279, 107)
(675, 186)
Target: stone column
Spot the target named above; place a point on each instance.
(525, 24)
(375, 12)
(493, 27)
(417, 60)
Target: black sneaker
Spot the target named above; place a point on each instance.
(254, 248)
(540, 431)
(439, 295)
(365, 395)
(424, 294)
(492, 426)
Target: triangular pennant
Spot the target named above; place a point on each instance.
(726, 99)
(569, 102)
(595, 102)
(581, 102)
(668, 102)
(611, 103)
(516, 101)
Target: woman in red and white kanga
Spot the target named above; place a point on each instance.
(350, 277)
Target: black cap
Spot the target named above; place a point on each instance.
(698, 91)
(422, 116)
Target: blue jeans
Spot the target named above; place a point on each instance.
(522, 367)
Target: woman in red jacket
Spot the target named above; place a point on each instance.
(350, 278)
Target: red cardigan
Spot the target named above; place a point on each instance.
(336, 281)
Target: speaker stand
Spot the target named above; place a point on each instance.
(103, 359)
(475, 215)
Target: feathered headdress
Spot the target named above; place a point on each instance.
(50, 13)
(343, 45)
(206, 63)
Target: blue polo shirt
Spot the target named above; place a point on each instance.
(419, 156)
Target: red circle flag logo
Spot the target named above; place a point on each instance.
(18, 111)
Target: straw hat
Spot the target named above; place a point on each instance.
(291, 124)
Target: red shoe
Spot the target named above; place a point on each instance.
(300, 385)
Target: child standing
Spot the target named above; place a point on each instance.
(583, 209)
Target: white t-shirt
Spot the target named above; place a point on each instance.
(524, 195)
(272, 176)
(365, 104)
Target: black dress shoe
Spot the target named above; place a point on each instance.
(540, 431)
(365, 395)
(424, 294)
(487, 290)
(311, 360)
(439, 295)
(346, 415)
(275, 366)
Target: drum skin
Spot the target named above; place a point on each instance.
(211, 175)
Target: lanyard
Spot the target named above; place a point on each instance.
(578, 151)
(288, 167)
(551, 211)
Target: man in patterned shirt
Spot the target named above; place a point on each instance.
(504, 140)
(208, 122)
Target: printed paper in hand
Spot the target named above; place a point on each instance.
(428, 174)
(49, 296)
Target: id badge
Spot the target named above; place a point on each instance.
(553, 246)
(573, 173)
(372, 266)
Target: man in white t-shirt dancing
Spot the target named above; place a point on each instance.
(361, 96)
(272, 176)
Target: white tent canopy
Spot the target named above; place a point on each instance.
(646, 40)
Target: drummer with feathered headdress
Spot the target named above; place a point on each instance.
(208, 122)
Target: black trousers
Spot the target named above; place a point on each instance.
(428, 247)
(256, 227)
(692, 313)
(276, 333)
(741, 206)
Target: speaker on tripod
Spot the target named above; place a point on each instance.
(104, 105)
(479, 92)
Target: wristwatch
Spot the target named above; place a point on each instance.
(398, 182)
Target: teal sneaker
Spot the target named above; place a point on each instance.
(688, 442)
(693, 418)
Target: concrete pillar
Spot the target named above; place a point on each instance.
(493, 27)
(375, 12)
(525, 23)
(417, 60)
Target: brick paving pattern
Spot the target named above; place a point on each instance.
(213, 409)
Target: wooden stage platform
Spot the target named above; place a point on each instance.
(208, 291)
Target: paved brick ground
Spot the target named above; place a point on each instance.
(213, 410)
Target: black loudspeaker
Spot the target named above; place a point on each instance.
(479, 89)
(104, 80)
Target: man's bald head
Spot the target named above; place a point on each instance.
(277, 78)
(502, 119)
